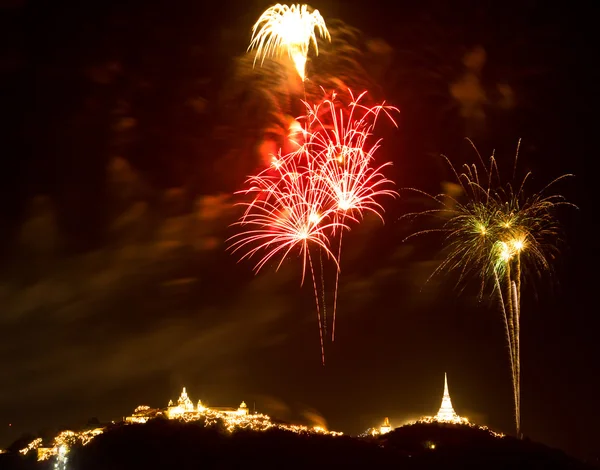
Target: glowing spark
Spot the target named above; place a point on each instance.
(518, 245)
(290, 30)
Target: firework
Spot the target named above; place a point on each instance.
(290, 211)
(306, 198)
(501, 234)
(337, 146)
(290, 30)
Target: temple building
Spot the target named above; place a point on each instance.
(184, 402)
(184, 405)
(184, 410)
(241, 410)
(385, 427)
(446, 413)
(142, 414)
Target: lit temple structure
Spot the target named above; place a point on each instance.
(446, 413)
(385, 427)
(184, 405)
(142, 414)
(184, 410)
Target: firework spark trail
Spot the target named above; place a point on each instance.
(337, 146)
(283, 29)
(288, 212)
(337, 281)
(517, 352)
(323, 291)
(507, 331)
(308, 196)
(501, 234)
(318, 310)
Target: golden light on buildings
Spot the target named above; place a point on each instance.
(33, 445)
(446, 414)
(385, 427)
(184, 410)
(234, 418)
(63, 442)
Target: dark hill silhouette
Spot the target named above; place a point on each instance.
(461, 446)
(162, 444)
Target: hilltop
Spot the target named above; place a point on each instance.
(162, 443)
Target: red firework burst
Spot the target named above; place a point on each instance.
(306, 197)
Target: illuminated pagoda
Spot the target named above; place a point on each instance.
(385, 427)
(232, 418)
(184, 405)
(446, 413)
(184, 401)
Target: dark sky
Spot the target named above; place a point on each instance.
(122, 151)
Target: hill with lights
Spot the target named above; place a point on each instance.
(164, 443)
(188, 436)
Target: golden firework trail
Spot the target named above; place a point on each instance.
(500, 233)
(290, 30)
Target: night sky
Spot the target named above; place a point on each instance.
(126, 133)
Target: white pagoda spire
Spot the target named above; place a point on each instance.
(446, 412)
